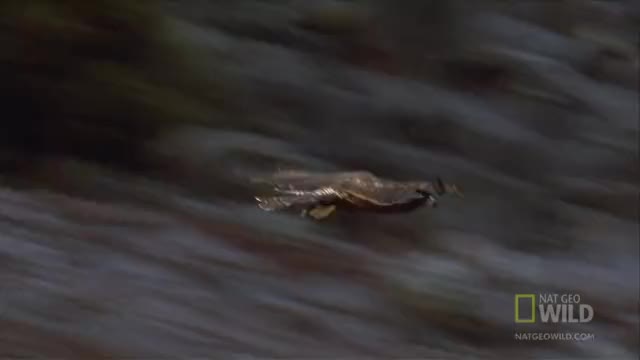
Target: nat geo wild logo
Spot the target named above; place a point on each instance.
(551, 308)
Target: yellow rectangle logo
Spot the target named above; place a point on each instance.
(518, 318)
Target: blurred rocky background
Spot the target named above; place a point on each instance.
(129, 129)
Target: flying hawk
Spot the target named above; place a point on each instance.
(319, 194)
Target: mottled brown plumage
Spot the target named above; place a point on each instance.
(319, 194)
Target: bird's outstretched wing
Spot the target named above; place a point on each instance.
(385, 195)
(290, 180)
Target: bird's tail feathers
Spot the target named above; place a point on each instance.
(275, 202)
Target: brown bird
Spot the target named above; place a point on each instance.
(319, 194)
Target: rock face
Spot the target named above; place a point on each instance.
(531, 108)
